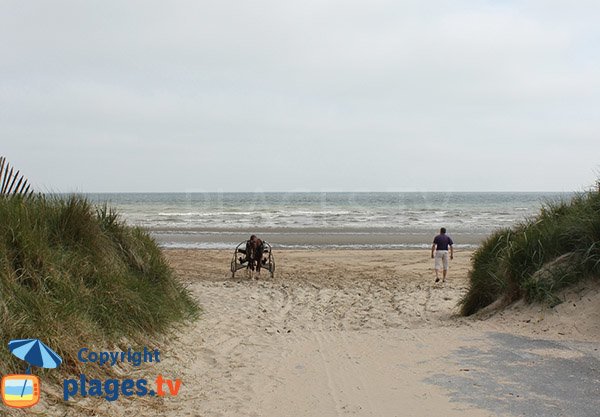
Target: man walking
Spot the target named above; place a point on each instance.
(439, 251)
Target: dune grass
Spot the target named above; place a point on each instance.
(74, 275)
(535, 259)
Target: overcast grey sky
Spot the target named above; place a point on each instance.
(312, 95)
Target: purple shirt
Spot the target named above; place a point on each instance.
(442, 242)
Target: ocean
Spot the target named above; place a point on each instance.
(324, 220)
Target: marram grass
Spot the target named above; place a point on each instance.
(535, 259)
(74, 275)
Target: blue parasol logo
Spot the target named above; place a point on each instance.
(35, 353)
(22, 391)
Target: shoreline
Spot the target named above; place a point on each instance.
(318, 239)
(334, 248)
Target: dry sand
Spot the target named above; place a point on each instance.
(366, 333)
(345, 333)
(334, 333)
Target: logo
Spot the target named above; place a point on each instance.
(112, 389)
(21, 391)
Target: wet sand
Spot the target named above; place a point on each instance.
(311, 238)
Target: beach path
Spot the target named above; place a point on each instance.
(365, 333)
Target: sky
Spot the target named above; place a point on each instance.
(312, 95)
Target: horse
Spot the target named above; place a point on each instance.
(254, 253)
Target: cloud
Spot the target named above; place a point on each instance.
(318, 87)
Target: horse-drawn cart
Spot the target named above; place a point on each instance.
(241, 259)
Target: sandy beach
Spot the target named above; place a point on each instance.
(367, 333)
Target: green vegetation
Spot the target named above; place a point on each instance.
(74, 275)
(557, 248)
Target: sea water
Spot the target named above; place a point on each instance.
(334, 220)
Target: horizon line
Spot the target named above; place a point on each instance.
(312, 192)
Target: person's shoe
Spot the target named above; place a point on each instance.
(437, 280)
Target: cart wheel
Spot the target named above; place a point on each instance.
(273, 268)
(233, 268)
